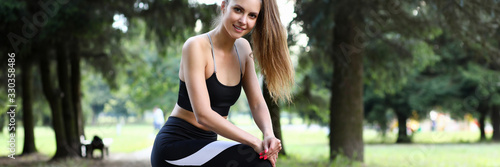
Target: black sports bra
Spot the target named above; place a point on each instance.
(222, 97)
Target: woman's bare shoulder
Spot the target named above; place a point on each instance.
(194, 55)
(244, 47)
(245, 53)
(196, 43)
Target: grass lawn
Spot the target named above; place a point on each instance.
(482, 154)
(308, 146)
(133, 136)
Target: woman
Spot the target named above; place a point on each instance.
(214, 67)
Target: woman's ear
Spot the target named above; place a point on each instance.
(223, 6)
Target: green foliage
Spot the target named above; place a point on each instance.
(152, 52)
(98, 91)
(313, 102)
(314, 71)
(389, 68)
(7, 8)
(392, 40)
(148, 79)
(168, 28)
(140, 65)
(486, 79)
(445, 57)
(462, 79)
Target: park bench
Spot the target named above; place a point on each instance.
(89, 146)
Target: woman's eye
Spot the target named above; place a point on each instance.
(237, 10)
(253, 16)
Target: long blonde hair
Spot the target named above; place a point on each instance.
(270, 47)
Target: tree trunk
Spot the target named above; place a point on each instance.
(483, 111)
(53, 97)
(402, 129)
(27, 92)
(72, 137)
(346, 103)
(482, 118)
(76, 89)
(495, 121)
(3, 117)
(274, 111)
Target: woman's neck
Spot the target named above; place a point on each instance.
(222, 39)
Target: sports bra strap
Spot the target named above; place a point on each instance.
(213, 56)
(212, 47)
(239, 61)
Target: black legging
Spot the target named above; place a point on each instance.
(180, 143)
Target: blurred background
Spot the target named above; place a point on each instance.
(378, 83)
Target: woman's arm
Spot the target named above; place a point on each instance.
(256, 101)
(193, 64)
(257, 104)
(251, 85)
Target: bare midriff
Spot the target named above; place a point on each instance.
(188, 116)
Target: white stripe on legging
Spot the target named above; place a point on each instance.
(203, 155)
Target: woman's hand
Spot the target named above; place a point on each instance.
(258, 147)
(272, 147)
(273, 159)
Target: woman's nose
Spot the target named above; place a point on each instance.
(243, 19)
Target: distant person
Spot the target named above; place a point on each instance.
(433, 114)
(158, 118)
(214, 67)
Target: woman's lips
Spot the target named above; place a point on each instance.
(238, 29)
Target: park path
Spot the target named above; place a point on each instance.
(134, 159)
(139, 158)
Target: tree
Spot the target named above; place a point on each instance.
(42, 40)
(377, 112)
(344, 50)
(480, 92)
(275, 112)
(473, 24)
(495, 121)
(470, 82)
(347, 90)
(27, 93)
(79, 29)
(62, 147)
(395, 84)
(24, 90)
(390, 24)
(342, 43)
(76, 87)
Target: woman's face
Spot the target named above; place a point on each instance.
(240, 16)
